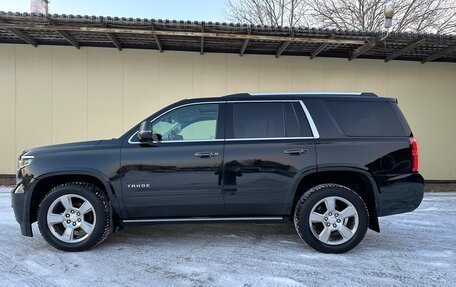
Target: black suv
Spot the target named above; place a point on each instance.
(329, 163)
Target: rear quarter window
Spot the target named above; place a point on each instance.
(365, 118)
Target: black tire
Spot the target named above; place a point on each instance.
(311, 198)
(101, 207)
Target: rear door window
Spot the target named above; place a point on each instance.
(258, 120)
(365, 118)
(268, 120)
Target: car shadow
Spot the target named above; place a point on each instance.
(247, 235)
(243, 236)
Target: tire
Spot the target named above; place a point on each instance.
(336, 229)
(75, 216)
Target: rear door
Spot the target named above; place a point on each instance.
(267, 144)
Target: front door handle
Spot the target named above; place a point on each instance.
(297, 151)
(206, 154)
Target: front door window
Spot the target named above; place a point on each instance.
(190, 123)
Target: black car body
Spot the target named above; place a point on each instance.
(239, 158)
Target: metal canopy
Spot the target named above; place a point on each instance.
(163, 35)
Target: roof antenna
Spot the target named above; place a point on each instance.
(389, 14)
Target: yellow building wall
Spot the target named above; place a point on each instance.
(54, 94)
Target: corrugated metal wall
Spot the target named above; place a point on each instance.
(60, 94)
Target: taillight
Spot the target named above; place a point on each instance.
(414, 145)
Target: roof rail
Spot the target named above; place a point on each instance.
(362, 94)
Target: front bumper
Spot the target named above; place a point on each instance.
(400, 194)
(19, 202)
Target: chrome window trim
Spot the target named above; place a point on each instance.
(278, 138)
(190, 219)
(313, 127)
(193, 141)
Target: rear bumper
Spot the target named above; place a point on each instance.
(19, 204)
(400, 194)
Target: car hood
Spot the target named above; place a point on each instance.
(61, 147)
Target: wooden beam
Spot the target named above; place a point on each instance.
(26, 38)
(202, 46)
(115, 41)
(68, 37)
(320, 49)
(157, 40)
(64, 34)
(19, 33)
(405, 50)
(282, 48)
(202, 41)
(244, 45)
(159, 45)
(363, 49)
(444, 52)
(181, 33)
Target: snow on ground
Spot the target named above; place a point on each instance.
(5, 189)
(413, 249)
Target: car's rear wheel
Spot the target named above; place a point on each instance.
(74, 216)
(331, 218)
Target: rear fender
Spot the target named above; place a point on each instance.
(373, 193)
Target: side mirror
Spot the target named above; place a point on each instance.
(145, 132)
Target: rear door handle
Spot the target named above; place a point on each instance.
(297, 151)
(206, 154)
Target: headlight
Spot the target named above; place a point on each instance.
(24, 161)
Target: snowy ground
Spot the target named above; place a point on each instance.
(413, 249)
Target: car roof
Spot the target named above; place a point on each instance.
(292, 96)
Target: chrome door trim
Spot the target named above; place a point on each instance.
(201, 219)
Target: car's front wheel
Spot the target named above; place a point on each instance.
(331, 218)
(74, 216)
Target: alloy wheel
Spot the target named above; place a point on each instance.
(71, 218)
(333, 220)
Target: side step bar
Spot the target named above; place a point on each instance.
(266, 219)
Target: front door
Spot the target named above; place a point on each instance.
(267, 145)
(180, 175)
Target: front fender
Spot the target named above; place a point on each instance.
(112, 187)
(23, 194)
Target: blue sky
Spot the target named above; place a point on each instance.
(204, 10)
